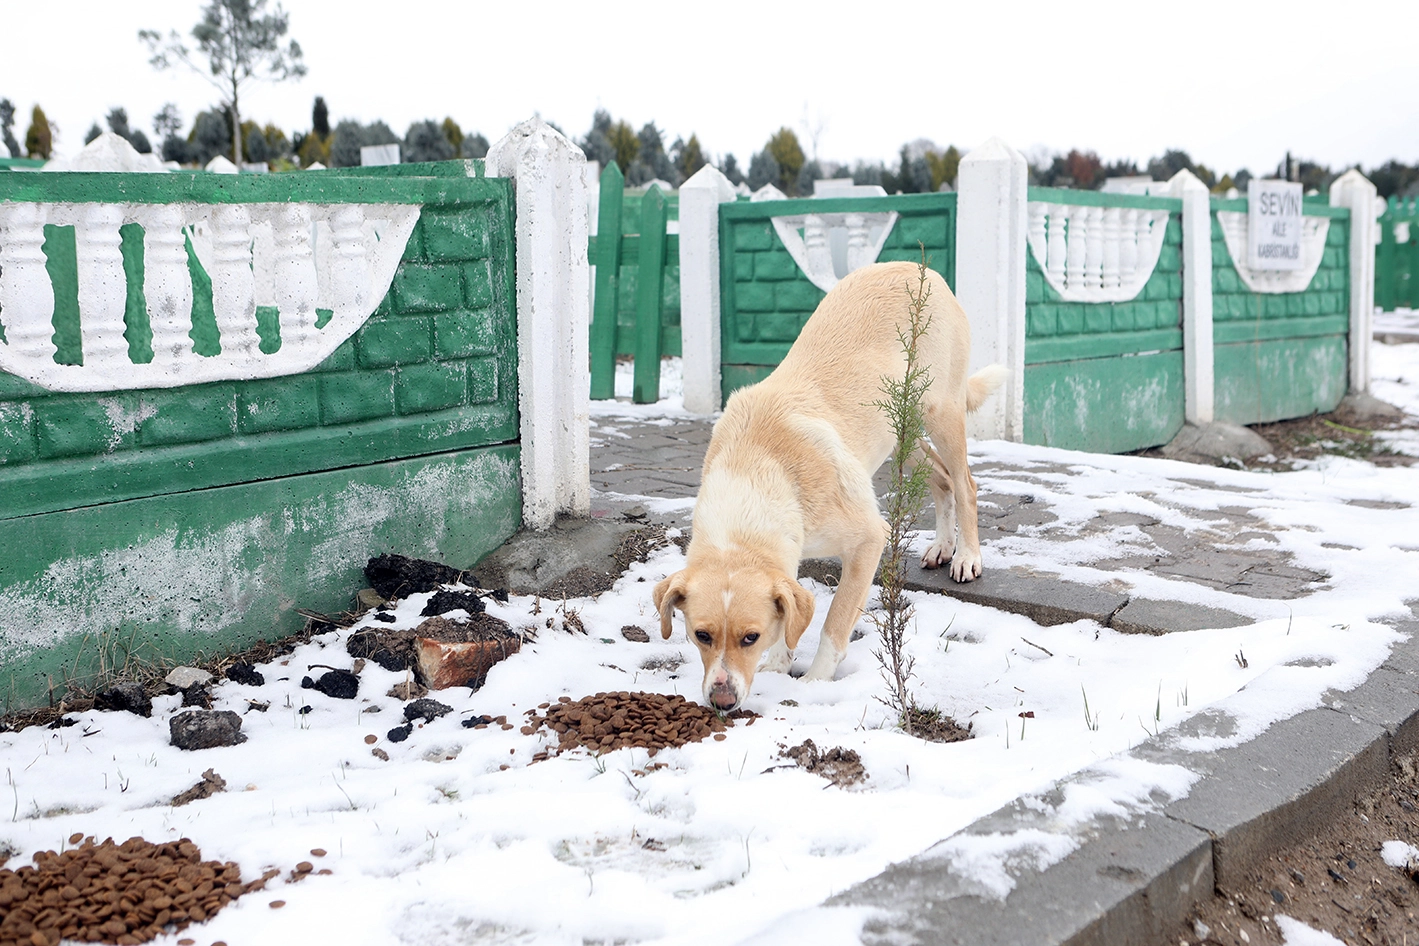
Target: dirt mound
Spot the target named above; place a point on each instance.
(842, 767)
(397, 576)
(114, 893)
(650, 721)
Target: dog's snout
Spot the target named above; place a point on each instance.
(723, 698)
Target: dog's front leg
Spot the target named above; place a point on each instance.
(778, 658)
(859, 565)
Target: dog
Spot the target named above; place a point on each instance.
(788, 475)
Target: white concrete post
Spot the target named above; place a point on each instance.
(990, 278)
(1199, 398)
(553, 318)
(700, 198)
(1353, 190)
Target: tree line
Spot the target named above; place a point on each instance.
(643, 155)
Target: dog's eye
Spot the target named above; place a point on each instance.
(749, 640)
(704, 637)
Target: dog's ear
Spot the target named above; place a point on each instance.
(669, 592)
(795, 605)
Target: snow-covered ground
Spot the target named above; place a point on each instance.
(460, 838)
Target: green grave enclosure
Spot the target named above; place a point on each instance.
(765, 298)
(1107, 376)
(1281, 355)
(1397, 256)
(181, 521)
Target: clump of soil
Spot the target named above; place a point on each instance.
(935, 726)
(1337, 881)
(211, 784)
(608, 721)
(114, 893)
(842, 767)
(397, 576)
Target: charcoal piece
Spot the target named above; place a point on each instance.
(125, 696)
(444, 601)
(426, 709)
(197, 695)
(473, 721)
(400, 733)
(245, 674)
(339, 684)
(396, 576)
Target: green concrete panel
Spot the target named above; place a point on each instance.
(77, 426)
(465, 333)
(356, 396)
(212, 571)
(776, 266)
(1262, 381)
(17, 440)
(1105, 405)
(455, 236)
(437, 386)
(383, 343)
(423, 288)
(754, 235)
(482, 381)
(187, 415)
(272, 404)
(477, 284)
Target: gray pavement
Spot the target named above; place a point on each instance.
(1131, 880)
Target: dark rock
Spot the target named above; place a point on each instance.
(197, 695)
(395, 576)
(635, 634)
(245, 674)
(205, 729)
(386, 616)
(400, 733)
(426, 709)
(444, 601)
(125, 696)
(340, 684)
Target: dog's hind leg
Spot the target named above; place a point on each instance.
(939, 552)
(947, 426)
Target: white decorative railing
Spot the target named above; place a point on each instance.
(297, 257)
(812, 249)
(1235, 231)
(1095, 254)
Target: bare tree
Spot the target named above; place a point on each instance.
(240, 43)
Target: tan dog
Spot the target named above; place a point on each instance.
(788, 475)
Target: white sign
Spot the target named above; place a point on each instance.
(1274, 225)
(378, 155)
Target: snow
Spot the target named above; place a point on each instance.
(1296, 933)
(461, 838)
(1400, 854)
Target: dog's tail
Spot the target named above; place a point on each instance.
(983, 383)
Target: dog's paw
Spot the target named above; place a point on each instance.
(965, 566)
(937, 554)
(777, 659)
(825, 663)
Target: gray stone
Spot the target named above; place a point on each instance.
(1368, 407)
(1151, 616)
(184, 677)
(205, 729)
(1216, 441)
(1044, 599)
(1274, 790)
(1388, 698)
(534, 562)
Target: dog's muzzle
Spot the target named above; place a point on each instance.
(723, 698)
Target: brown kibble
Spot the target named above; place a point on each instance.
(304, 867)
(317, 852)
(276, 904)
(371, 739)
(379, 753)
(324, 872)
(719, 737)
(76, 838)
(186, 941)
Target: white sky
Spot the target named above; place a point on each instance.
(1234, 83)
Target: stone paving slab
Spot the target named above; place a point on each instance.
(1151, 616)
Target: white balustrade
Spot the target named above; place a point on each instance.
(26, 294)
(167, 283)
(815, 245)
(1095, 254)
(308, 256)
(103, 288)
(866, 233)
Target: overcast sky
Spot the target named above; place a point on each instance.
(1235, 83)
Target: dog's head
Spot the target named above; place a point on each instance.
(733, 614)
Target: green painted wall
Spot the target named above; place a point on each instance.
(1281, 355)
(1396, 263)
(1106, 377)
(765, 299)
(209, 571)
(225, 469)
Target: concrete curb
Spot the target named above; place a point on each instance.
(1135, 880)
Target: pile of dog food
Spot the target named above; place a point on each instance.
(650, 721)
(114, 893)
